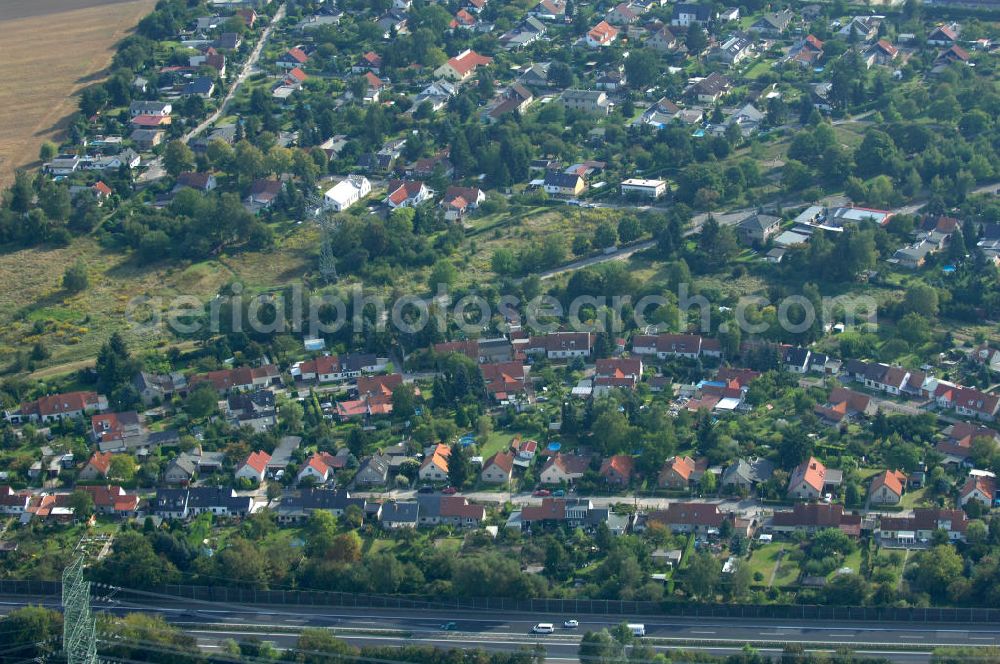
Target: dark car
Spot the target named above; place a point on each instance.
(425, 489)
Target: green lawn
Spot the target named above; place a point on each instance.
(758, 70)
(853, 561)
(765, 558)
(913, 498)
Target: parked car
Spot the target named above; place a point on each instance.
(425, 489)
(559, 493)
(571, 624)
(449, 491)
(542, 493)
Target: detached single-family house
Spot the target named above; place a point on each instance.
(406, 193)
(711, 88)
(662, 40)
(347, 192)
(373, 471)
(687, 14)
(757, 229)
(880, 53)
(435, 465)
(460, 201)
(773, 23)
(561, 468)
(549, 10)
(587, 101)
(681, 472)
(618, 469)
(254, 466)
(563, 184)
(980, 488)
(745, 474)
(499, 468)
(97, 467)
(602, 34)
(810, 478)
(462, 66)
(887, 488)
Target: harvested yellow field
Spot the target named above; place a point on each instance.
(50, 49)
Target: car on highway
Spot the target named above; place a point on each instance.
(543, 628)
(449, 491)
(542, 493)
(450, 626)
(637, 629)
(571, 624)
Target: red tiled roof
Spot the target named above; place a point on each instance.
(977, 401)
(57, 404)
(691, 514)
(258, 461)
(297, 54)
(619, 464)
(113, 497)
(464, 63)
(404, 190)
(619, 366)
(101, 462)
(379, 385)
(102, 189)
(812, 472)
(503, 460)
(150, 120)
(374, 81)
(226, 379)
(603, 32)
(468, 348)
(891, 479)
(985, 485)
(551, 509)
(958, 52)
(297, 74)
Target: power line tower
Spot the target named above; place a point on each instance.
(328, 223)
(79, 629)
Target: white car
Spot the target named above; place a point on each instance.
(571, 624)
(543, 628)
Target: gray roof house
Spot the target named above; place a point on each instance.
(373, 471)
(774, 23)
(744, 474)
(758, 228)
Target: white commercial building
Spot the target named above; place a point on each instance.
(347, 192)
(649, 188)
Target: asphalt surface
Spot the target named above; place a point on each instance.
(212, 623)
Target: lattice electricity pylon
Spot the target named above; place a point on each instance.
(79, 628)
(328, 224)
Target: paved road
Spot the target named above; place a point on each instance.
(245, 72)
(211, 623)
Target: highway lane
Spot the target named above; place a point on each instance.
(506, 629)
(555, 650)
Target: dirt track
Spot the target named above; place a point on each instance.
(14, 9)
